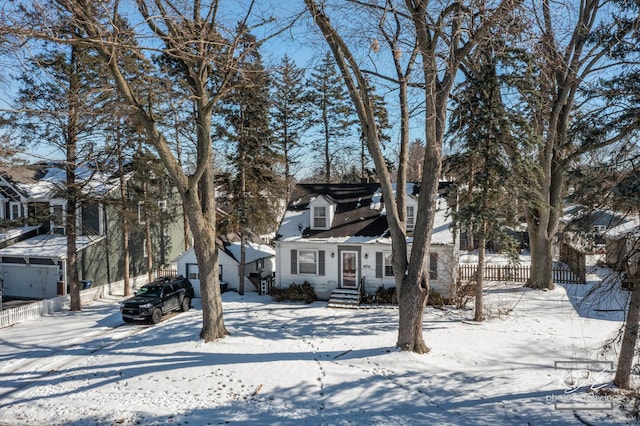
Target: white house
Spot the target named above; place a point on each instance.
(259, 264)
(335, 236)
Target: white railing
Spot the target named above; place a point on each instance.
(32, 310)
(57, 304)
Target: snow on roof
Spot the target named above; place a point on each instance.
(630, 227)
(94, 182)
(253, 251)
(360, 216)
(293, 223)
(46, 246)
(10, 233)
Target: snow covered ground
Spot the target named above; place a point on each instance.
(289, 364)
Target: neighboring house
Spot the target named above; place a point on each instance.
(335, 236)
(259, 264)
(623, 246)
(34, 251)
(586, 228)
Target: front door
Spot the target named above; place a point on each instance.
(349, 269)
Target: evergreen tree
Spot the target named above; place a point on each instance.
(289, 116)
(59, 103)
(332, 115)
(254, 188)
(485, 173)
(382, 126)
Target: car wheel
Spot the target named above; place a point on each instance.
(128, 319)
(156, 316)
(186, 304)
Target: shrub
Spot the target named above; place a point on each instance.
(294, 293)
(386, 296)
(436, 299)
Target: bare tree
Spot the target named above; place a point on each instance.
(438, 36)
(203, 49)
(574, 43)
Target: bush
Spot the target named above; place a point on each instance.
(436, 299)
(386, 296)
(294, 293)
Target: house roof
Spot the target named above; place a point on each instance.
(616, 223)
(46, 180)
(360, 214)
(7, 234)
(230, 244)
(46, 246)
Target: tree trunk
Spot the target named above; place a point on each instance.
(72, 186)
(479, 306)
(629, 339)
(242, 266)
(327, 156)
(206, 251)
(124, 224)
(541, 247)
(412, 299)
(147, 236)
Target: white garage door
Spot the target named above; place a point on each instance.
(193, 275)
(33, 281)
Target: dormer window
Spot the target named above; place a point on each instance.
(320, 217)
(321, 210)
(411, 218)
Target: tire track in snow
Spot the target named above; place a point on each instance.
(27, 373)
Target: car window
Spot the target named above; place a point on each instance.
(150, 291)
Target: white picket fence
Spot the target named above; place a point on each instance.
(57, 304)
(33, 310)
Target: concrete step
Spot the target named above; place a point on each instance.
(344, 298)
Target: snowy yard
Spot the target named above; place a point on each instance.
(306, 364)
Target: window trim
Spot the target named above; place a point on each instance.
(315, 261)
(385, 272)
(141, 208)
(411, 218)
(316, 217)
(433, 266)
(17, 205)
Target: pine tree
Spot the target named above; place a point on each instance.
(254, 188)
(59, 104)
(289, 115)
(485, 172)
(332, 115)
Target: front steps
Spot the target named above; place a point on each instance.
(347, 298)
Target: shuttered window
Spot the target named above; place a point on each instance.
(433, 266)
(294, 262)
(307, 261)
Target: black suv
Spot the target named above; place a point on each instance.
(157, 298)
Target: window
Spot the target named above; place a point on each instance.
(220, 273)
(433, 266)
(141, 213)
(56, 213)
(145, 253)
(307, 261)
(319, 217)
(388, 264)
(411, 218)
(15, 210)
(162, 205)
